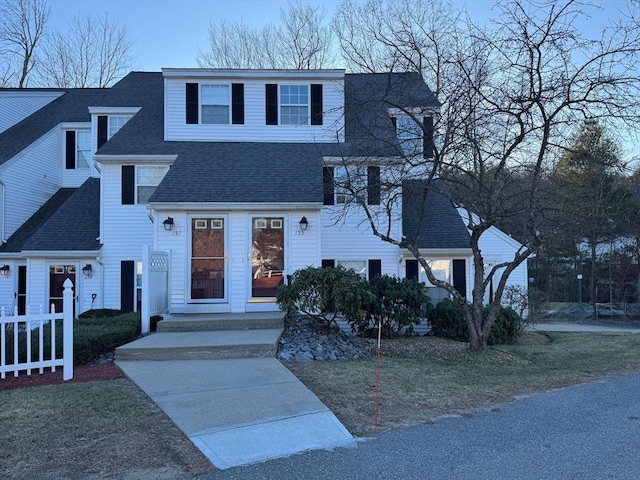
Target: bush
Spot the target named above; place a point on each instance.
(102, 313)
(325, 294)
(447, 321)
(401, 304)
(92, 337)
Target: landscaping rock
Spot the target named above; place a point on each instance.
(303, 340)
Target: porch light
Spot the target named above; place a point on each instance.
(5, 270)
(168, 223)
(303, 223)
(87, 271)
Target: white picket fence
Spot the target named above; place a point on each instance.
(155, 285)
(34, 325)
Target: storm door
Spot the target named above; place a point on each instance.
(57, 275)
(267, 256)
(208, 257)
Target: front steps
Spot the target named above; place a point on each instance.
(209, 337)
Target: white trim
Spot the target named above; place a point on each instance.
(233, 206)
(495, 230)
(56, 254)
(101, 158)
(114, 110)
(443, 252)
(74, 125)
(333, 74)
(375, 161)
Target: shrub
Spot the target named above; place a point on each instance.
(447, 321)
(325, 294)
(92, 337)
(102, 313)
(400, 303)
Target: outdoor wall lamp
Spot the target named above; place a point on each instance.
(5, 270)
(303, 223)
(168, 223)
(87, 271)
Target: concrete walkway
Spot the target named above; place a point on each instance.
(239, 411)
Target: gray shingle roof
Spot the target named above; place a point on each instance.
(243, 172)
(429, 218)
(69, 221)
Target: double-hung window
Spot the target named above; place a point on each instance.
(215, 103)
(294, 104)
(410, 135)
(115, 124)
(350, 182)
(77, 149)
(147, 179)
(342, 184)
(83, 148)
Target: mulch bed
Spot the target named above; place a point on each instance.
(81, 373)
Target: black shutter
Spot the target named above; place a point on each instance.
(128, 184)
(70, 150)
(373, 185)
(460, 277)
(327, 185)
(327, 263)
(127, 290)
(375, 268)
(102, 130)
(271, 96)
(394, 122)
(191, 107)
(411, 269)
(316, 104)
(237, 103)
(427, 139)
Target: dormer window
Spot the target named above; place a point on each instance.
(294, 104)
(215, 100)
(115, 124)
(410, 134)
(415, 135)
(77, 149)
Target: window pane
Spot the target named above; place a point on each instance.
(115, 124)
(359, 266)
(350, 180)
(294, 104)
(83, 148)
(214, 103)
(215, 114)
(147, 179)
(409, 133)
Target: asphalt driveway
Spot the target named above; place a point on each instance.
(590, 431)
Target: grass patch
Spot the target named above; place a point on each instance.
(89, 431)
(424, 378)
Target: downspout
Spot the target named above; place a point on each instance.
(100, 262)
(2, 212)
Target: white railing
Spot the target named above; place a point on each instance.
(32, 325)
(155, 285)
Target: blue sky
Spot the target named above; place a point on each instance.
(168, 33)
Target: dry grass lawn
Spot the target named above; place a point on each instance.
(112, 430)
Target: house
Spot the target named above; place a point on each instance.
(232, 178)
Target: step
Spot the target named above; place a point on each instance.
(202, 345)
(222, 321)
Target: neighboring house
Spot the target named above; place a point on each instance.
(233, 173)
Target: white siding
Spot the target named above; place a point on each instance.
(9, 286)
(254, 128)
(31, 178)
(124, 230)
(19, 104)
(349, 237)
(301, 250)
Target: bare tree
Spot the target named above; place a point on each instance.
(512, 95)
(21, 30)
(94, 52)
(300, 41)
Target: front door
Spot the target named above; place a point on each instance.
(208, 265)
(57, 275)
(267, 256)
